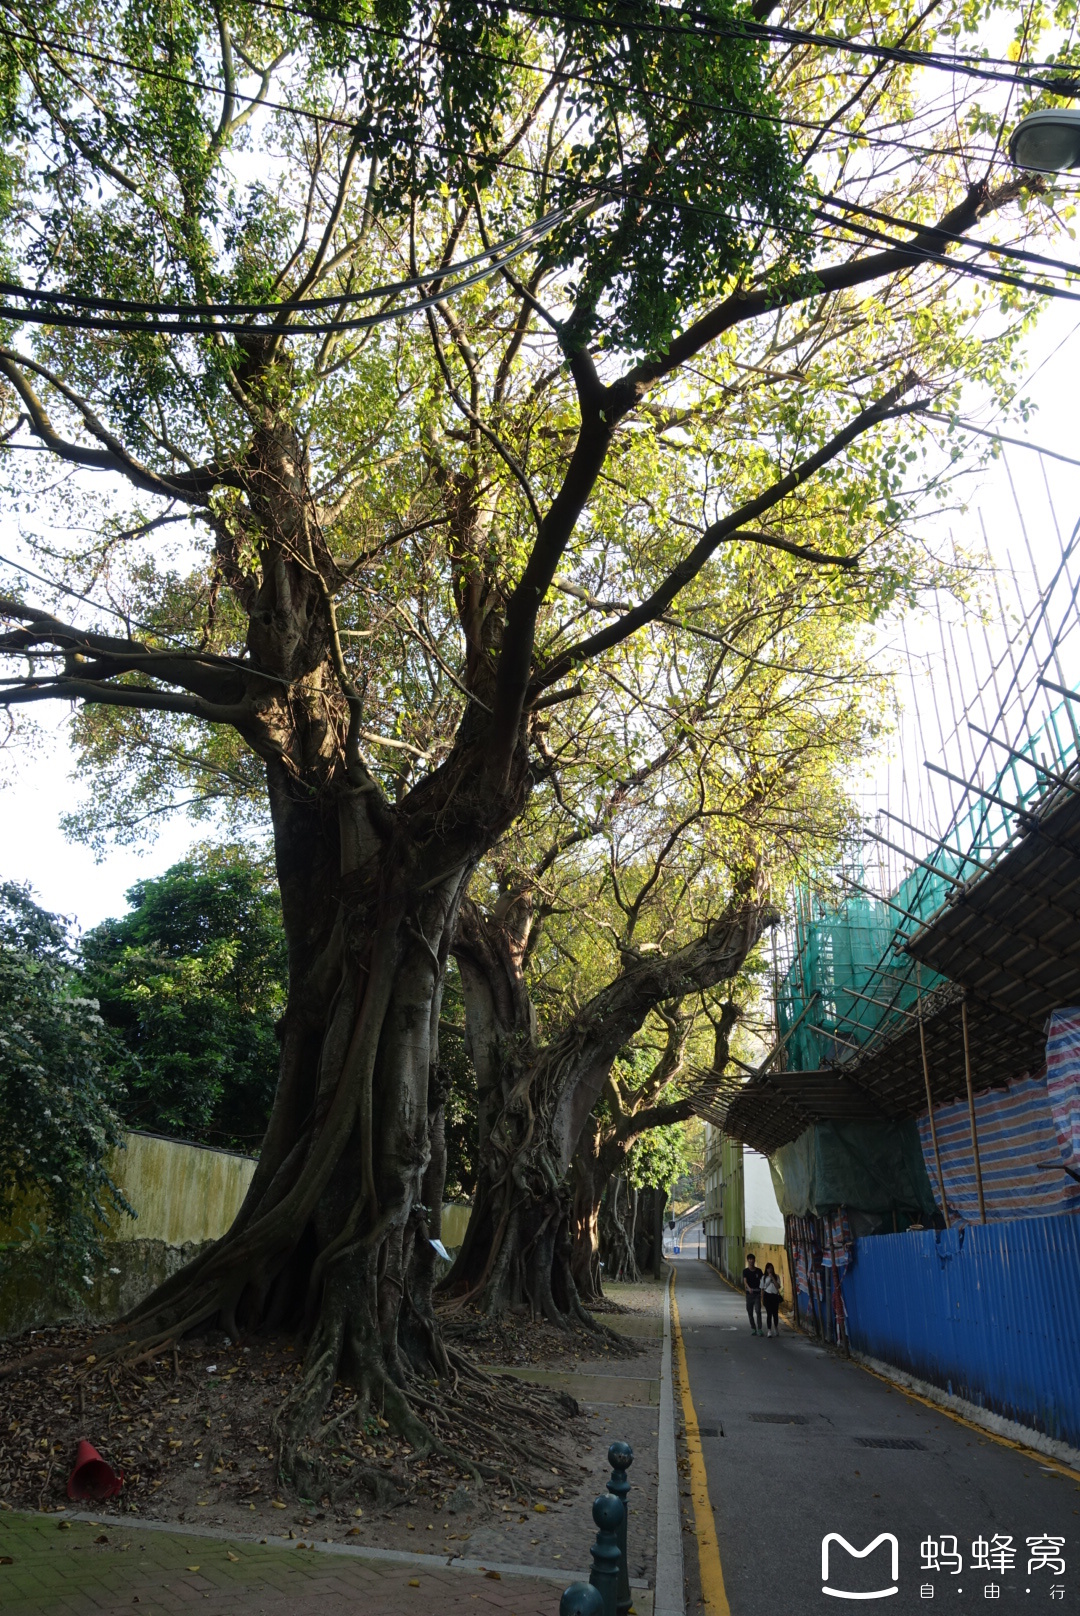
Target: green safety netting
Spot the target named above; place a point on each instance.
(872, 1167)
(849, 979)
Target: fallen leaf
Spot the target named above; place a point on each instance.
(275, 1503)
(414, 1582)
(63, 1526)
(5, 1559)
(235, 1558)
(496, 1576)
(101, 1538)
(541, 1509)
(193, 1568)
(354, 1531)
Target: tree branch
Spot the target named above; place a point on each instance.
(195, 486)
(728, 529)
(94, 658)
(742, 306)
(133, 696)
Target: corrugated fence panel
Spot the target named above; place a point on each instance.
(990, 1313)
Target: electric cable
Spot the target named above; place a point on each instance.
(958, 265)
(993, 69)
(340, 121)
(1018, 253)
(505, 250)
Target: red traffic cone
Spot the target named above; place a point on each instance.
(92, 1478)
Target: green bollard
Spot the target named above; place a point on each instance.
(581, 1600)
(620, 1458)
(607, 1512)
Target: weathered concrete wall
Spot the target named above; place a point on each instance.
(130, 1270)
(184, 1195)
(455, 1220)
(181, 1192)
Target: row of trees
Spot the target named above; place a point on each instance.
(490, 439)
(165, 1019)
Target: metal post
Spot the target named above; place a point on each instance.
(607, 1512)
(971, 1108)
(620, 1458)
(929, 1096)
(581, 1600)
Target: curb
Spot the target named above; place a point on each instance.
(669, 1596)
(352, 1551)
(996, 1425)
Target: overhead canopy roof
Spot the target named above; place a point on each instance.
(1011, 934)
(1010, 937)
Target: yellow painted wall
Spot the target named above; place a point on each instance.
(455, 1220)
(777, 1255)
(181, 1192)
(185, 1194)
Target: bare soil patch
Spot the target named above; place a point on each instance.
(192, 1433)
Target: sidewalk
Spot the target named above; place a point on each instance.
(86, 1570)
(509, 1559)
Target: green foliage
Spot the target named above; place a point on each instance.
(58, 1099)
(193, 982)
(660, 1157)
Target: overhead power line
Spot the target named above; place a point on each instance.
(197, 323)
(959, 266)
(194, 320)
(1019, 253)
(1030, 75)
(341, 121)
(504, 251)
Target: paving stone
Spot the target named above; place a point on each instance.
(68, 1574)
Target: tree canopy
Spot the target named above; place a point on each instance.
(192, 981)
(58, 1100)
(436, 387)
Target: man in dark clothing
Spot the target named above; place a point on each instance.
(752, 1286)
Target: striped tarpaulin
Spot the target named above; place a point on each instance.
(1063, 1080)
(1016, 1130)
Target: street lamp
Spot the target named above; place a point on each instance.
(1047, 141)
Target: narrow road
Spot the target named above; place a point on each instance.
(798, 1442)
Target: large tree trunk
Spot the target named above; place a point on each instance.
(535, 1103)
(333, 1236)
(605, 1144)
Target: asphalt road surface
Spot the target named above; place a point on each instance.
(798, 1443)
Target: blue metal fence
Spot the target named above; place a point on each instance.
(990, 1313)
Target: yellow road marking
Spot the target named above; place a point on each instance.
(1044, 1459)
(1033, 1454)
(713, 1593)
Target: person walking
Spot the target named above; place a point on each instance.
(770, 1295)
(751, 1279)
